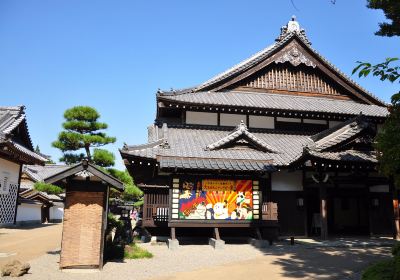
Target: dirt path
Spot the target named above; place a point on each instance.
(28, 243)
(338, 263)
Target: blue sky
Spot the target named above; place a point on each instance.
(113, 55)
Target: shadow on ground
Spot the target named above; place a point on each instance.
(29, 226)
(338, 260)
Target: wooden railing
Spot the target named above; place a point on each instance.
(155, 209)
(269, 211)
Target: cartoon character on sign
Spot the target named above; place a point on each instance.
(241, 199)
(199, 212)
(221, 210)
(243, 210)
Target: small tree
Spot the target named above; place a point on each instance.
(388, 142)
(131, 192)
(48, 188)
(388, 139)
(83, 131)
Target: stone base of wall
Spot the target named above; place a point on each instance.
(29, 223)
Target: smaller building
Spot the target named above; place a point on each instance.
(35, 206)
(16, 149)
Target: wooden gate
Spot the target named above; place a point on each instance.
(155, 208)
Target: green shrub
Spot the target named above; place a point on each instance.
(396, 249)
(133, 251)
(48, 188)
(382, 270)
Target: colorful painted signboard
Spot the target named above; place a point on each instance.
(215, 199)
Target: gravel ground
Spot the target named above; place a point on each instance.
(164, 262)
(235, 261)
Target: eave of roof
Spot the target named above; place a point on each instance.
(23, 154)
(85, 166)
(261, 102)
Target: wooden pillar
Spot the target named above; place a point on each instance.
(305, 204)
(216, 234)
(370, 211)
(173, 235)
(323, 212)
(258, 233)
(396, 214)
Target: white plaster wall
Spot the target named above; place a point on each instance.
(287, 181)
(56, 213)
(314, 121)
(292, 120)
(10, 169)
(9, 174)
(29, 212)
(379, 188)
(261, 122)
(232, 119)
(201, 118)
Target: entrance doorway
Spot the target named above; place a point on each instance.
(45, 214)
(347, 211)
(348, 215)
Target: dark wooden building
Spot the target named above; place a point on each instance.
(282, 128)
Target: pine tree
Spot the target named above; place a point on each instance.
(83, 132)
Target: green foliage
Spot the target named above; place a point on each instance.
(388, 142)
(131, 192)
(103, 158)
(48, 188)
(396, 249)
(82, 131)
(385, 70)
(70, 158)
(112, 222)
(133, 251)
(391, 8)
(138, 203)
(382, 270)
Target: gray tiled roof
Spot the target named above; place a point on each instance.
(336, 135)
(274, 101)
(215, 164)
(270, 50)
(241, 133)
(346, 156)
(187, 147)
(10, 119)
(38, 173)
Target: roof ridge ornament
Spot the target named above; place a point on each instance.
(295, 57)
(241, 132)
(293, 27)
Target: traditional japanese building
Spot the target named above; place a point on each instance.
(15, 150)
(283, 130)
